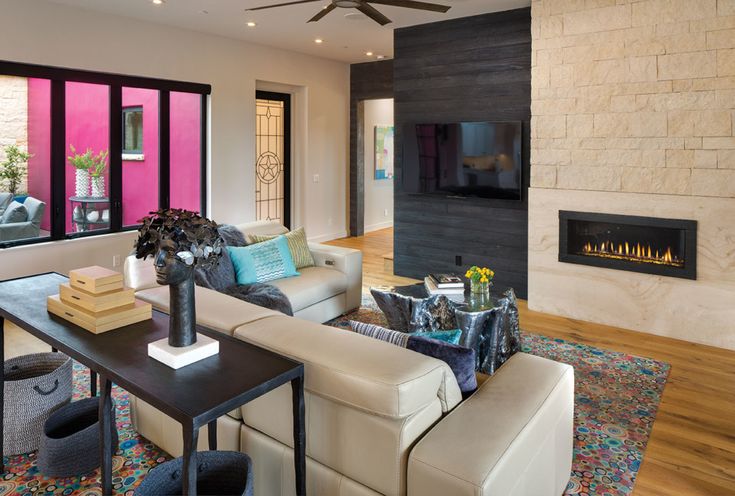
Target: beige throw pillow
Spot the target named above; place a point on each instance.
(297, 245)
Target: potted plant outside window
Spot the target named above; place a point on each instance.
(14, 169)
(87, 164)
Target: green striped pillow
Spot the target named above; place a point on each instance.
(297, 245)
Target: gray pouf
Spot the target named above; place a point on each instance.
(35, 386)
(70, 444)
(221, 473)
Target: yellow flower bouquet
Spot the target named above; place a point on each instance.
(480, 279)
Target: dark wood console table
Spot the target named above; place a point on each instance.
(195, 396)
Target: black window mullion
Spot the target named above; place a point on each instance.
(58, 160)
(115, 157)
(164, 149)
(203, 148)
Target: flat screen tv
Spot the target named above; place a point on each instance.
(465, 159)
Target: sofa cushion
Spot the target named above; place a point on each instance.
(16, 212)
(315, 284)
(214, 310)
(265, 227)
(297, 245)
(262, 262)
(355, 370)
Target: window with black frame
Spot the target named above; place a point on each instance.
(132, 132)
(85, 153)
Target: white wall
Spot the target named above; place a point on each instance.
(378, 193)
(35, 31)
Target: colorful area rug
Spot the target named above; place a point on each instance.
(134, 458)
(616, 399)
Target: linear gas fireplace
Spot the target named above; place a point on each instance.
(666, 247)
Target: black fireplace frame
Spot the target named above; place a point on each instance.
(689, 271)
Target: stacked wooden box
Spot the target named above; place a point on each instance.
(96, 300)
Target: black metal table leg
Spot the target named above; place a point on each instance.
(212, 435)
(2, 394)
(189, 475)
(105, 415)
(92, 383)
(299, 434)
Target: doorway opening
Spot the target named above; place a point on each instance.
(378, 154)
(273, 157)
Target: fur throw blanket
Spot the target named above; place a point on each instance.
(222, 278)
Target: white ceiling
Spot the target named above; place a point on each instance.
(346, 39)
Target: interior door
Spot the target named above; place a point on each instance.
(273, 157)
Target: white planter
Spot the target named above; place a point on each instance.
(82, 183)
(98, 186)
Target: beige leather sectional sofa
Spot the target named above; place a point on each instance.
(379, 419)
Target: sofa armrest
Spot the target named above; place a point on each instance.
(345, 260)
(513, 436)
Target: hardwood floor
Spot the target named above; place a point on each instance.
(692, 446)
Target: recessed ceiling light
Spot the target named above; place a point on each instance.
(205, 12)
(157, 2)
(369, 54)
(251, 24)
(380, 57)
(318, 41)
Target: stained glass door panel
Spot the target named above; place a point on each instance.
(272, 147)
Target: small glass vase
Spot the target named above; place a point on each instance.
(480, 288)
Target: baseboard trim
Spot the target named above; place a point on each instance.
(378, 226)
(328, 237)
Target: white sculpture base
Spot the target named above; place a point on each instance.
(176, 358)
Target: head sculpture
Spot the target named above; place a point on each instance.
(179, 240)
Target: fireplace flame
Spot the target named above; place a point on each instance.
(632, 252)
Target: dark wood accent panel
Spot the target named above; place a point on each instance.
(471, 69)
(368, 81)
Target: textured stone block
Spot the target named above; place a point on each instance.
(681, 122)
(589, 178)
(659, 181)
(726, 7)
(580, 125)
(549, 126)
(612, 125)
(688, 65)
(597, 20)
(543, 176)
(681, 159)
(642, 69)
(724, 38)
(726, 159)
(648, 124)
(544, 156)
(713, 123)
(726, 62)
(718, 143)
(713, 182)
(653, 158)
(652, 12)
(705, 159)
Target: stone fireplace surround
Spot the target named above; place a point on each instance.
(701, 310)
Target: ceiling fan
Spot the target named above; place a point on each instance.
(364, 7)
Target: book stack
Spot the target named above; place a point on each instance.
(96, 300)
(450, 285)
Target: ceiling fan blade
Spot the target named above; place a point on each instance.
(326, 10)
(373, 14)
(281, 5)
(413, 4)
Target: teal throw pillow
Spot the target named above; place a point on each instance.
(262, 262)
(452, 336)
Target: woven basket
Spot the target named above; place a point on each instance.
(221, 473)
(70, 444)
(35, 386)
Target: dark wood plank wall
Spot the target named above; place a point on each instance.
(368, 81)
(470, 69)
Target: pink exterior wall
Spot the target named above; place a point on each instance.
(186, 151)
(87, 126)
(39, 144)
(140, 178)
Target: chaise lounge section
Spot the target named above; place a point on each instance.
(380, 419)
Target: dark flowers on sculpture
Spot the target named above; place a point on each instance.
(179, 240)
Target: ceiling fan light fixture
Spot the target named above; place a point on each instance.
(347, 4)
(157, 2)
(251, 24)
